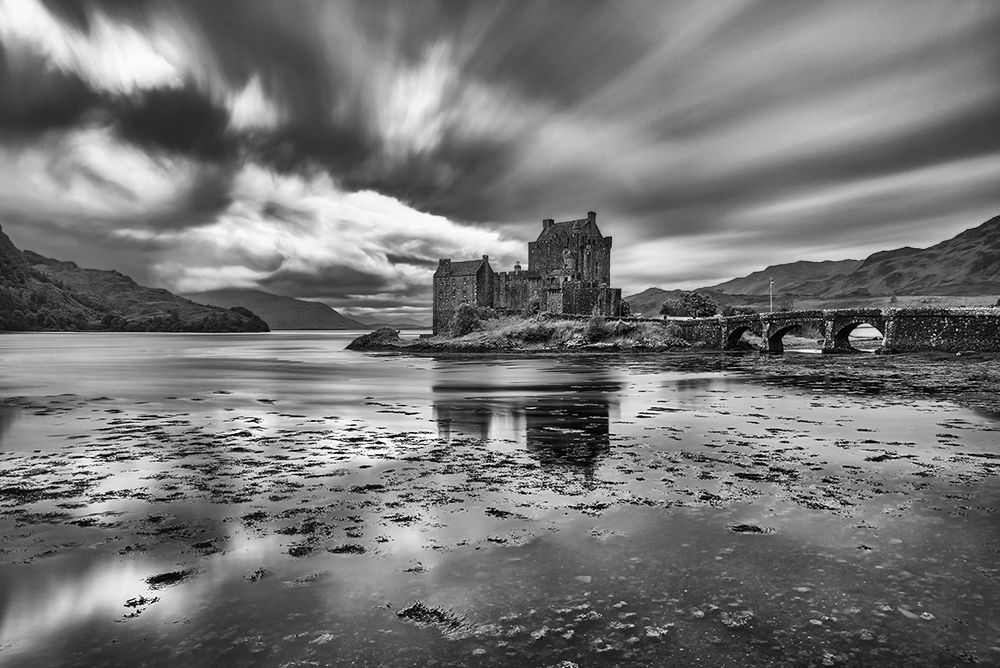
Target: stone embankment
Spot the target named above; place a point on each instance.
(903, 330)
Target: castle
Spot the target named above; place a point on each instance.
(569, 271)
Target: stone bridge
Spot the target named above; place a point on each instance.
(903, 329)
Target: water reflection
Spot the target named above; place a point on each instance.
(305, 492)
(566, 425)
(8, 415)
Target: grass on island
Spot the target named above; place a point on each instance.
(479, 330)
(552, 331)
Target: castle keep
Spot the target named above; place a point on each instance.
(569, 271)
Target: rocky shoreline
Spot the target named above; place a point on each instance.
(387, 339)
(968, 379)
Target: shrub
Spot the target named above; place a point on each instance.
(537, 332)
(532, 308)
(735, 309)
(465, 320)
(597, 329)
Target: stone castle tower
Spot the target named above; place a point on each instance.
(574, 250)
(569, 271)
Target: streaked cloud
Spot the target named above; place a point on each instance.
(335, 150)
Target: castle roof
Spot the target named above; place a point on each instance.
(587, 228)
(464, 268)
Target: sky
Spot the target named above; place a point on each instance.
(334, 151)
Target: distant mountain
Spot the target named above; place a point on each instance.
(39, 293)
(801, 277)
(399, 323)
(967, 264)
(279, 312)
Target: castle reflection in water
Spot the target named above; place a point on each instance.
(564, 427)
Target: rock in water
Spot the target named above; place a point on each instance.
(380, 338)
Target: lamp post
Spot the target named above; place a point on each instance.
(770, 294)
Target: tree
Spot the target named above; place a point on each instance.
(698, 304)
(694, 304)
(671, 307)
(734, 309)
(465, 320)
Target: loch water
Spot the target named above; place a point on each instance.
(276, 500)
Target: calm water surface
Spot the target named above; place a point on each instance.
(274, 500)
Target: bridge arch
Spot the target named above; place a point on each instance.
(842, 329)
(736, 334)
(774, 342)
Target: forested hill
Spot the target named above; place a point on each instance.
(39, 293)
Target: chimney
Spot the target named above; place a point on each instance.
(517, 266)
(547, 223)
(591, 217)
(486, 259)
(444, 266)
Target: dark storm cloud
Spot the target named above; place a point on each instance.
(784, 124)
(176, 120)
(207, 195)
(559, 51)
(411, 260)
(461, 179)
(35, 98)
(328, 121)
(327, 281)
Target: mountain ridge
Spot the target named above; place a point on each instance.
(967, 264)
(278, 311)
(40, 293)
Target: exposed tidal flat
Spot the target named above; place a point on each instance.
(275, 500)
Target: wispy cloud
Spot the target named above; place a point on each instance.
(336, 150)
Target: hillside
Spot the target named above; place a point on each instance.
(967, 265)
(39, 293)
(801, 277)
(398, 323)
(279, 312)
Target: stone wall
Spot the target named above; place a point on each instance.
(514, 290)
(580, 257)
(702, 331)
(585, 299)
(949, 330)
